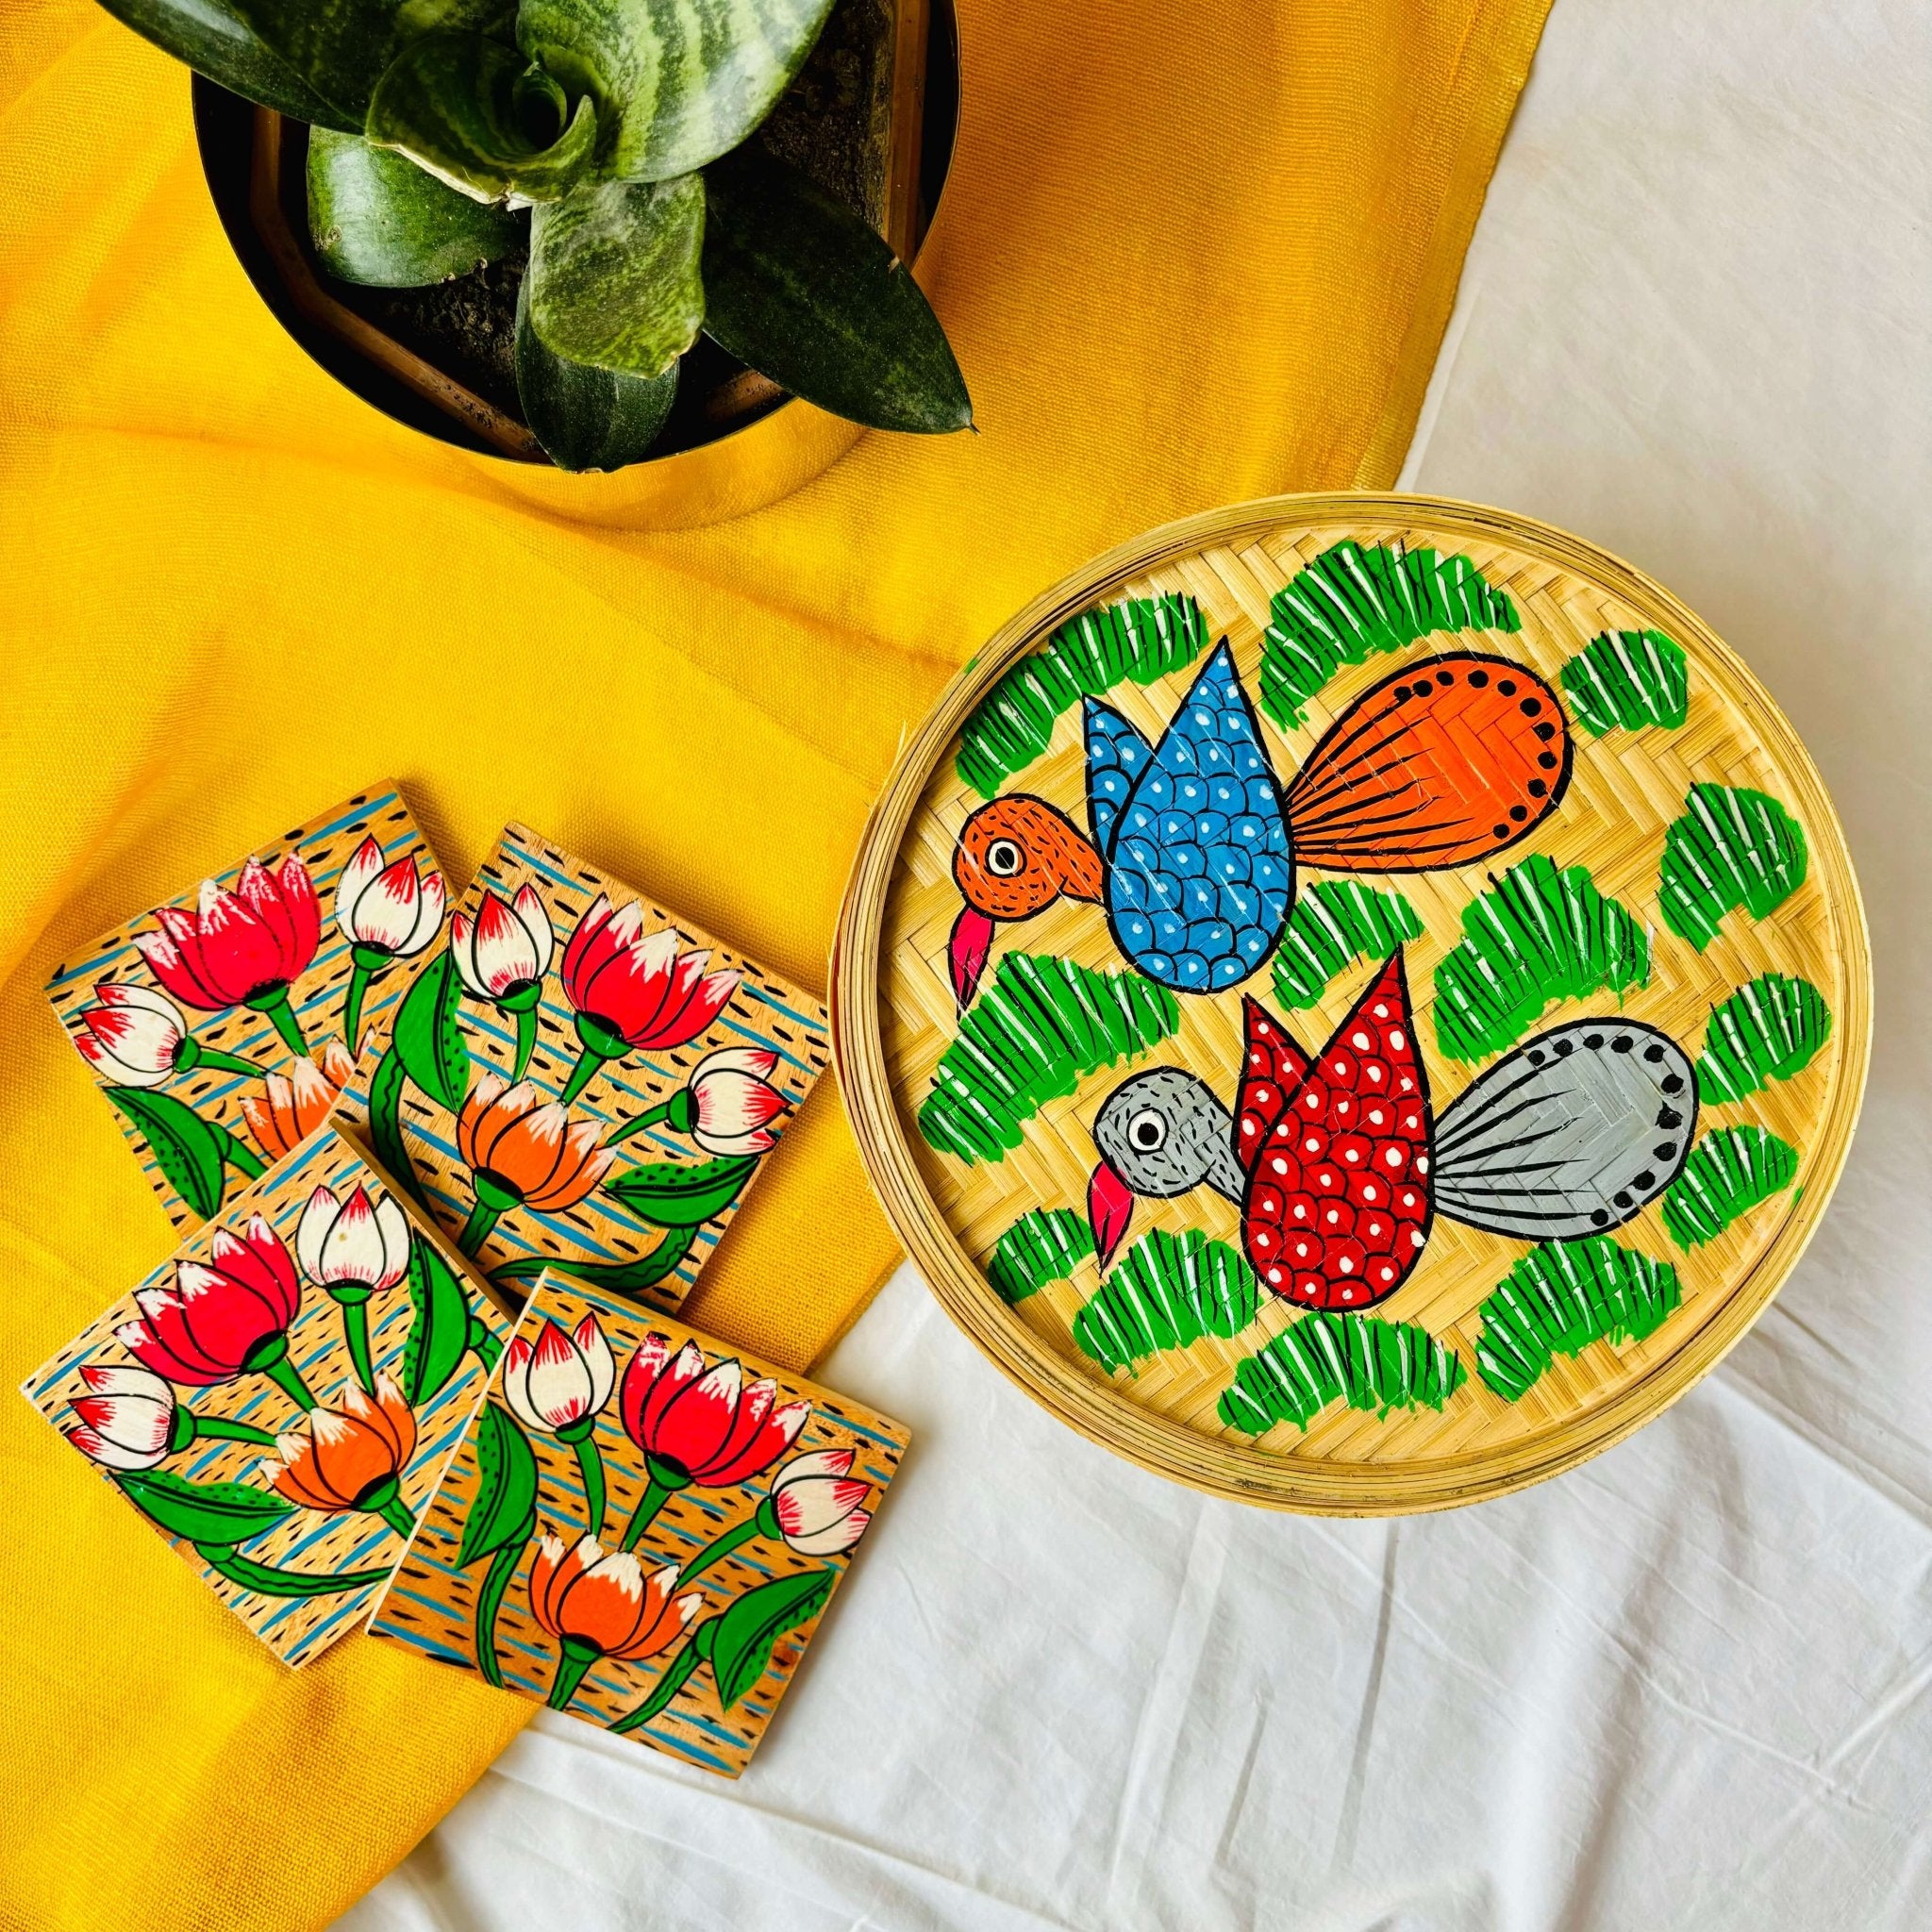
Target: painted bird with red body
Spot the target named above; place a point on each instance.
(1195, 842)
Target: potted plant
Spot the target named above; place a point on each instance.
(610, 165)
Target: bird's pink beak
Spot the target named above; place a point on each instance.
(972, 942)
(1109, 1208)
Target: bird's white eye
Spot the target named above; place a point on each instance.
(1004, 858)
(1146, 1132)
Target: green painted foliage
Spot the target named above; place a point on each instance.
(1167, 1290)
(1325, 1357)
(1140, 639)
(1562, 1296)
(1355, 601)
(1730, 1170)
(1732, 847)
(1044, 1245)
(1765, 1031)
(1538, 934)
(1335, 922)
(1629, 679)
(1029, 1038)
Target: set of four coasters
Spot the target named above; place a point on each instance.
(443, 1178)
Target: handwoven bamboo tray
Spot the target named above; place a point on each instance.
(1676, 878)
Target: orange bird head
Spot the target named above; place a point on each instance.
(1015, 857)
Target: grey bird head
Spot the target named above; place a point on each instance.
(1160, 1134)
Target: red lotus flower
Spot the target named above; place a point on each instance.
(243, 948)
(699, 1424)
(226, 1317)
(601, 1602)
(352, 1457)
(634, 992)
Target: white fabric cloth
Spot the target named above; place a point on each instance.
(1690, 1685)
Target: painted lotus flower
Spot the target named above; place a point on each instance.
(135, 1037)
(502, 955)
(127, 1419)
(733, 1101)
(699, 1424)
(816, 1505)
(292, 1105)
(225, 1317)
(603, 1603)
(563, 1381)
(358, 1243)
(635, 992)
(243, 948)
(352, 1457)
(386, 911)
(522, 1151)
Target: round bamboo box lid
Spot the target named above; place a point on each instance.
(1353, 1001)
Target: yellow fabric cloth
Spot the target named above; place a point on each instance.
(1191, 255)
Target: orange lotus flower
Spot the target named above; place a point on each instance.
(601, 1602)
(296, 1103)
(352, 1457)
(522, 1150)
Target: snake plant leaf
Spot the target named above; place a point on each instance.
(216, 41)
(677, 82)
(340, 48)
(587, 419)
(478, 116)
(377, 219)
(614, 273)
(799, 287)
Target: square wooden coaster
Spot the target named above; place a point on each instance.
(583, 1081)
(640, 1527)
(279, 1398)
(218, 1024)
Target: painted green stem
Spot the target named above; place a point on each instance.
(734, 1538)
(483, 1217)
(601, 1043)
(281, 1017)
(395, 1513)
(496, 1580)
(266, 1580)
(354, 1301)
(677, 1675)
(651, 1117)
(483, 1345)
(237, 1155)
(286, 1377)
(658, 1491)
(370, 960)
(526, 1042)
(577, 1658)
(213, 1059)
(205, 1428)
(591, 1464)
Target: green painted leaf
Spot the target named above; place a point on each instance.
(619, 1277)
(682, 1193)
(1538, 934)
(504, 1510)
(587, 419)
(1765, 1031)
(1730, 1170)
(1044, 1245)
(481, 119)
(745, 1635)
(439, 1325)
(613, 275)
(187, 1149)
(1355, 601)
(340, 48)
(377, 219)
(1030, 1037)
(1629, 679)
(213, 39)
(677, 82)
(218, 1514)
(1139, 638)
(1372, 1365)
(800, 289)
(1335, 922)
(385, 1125)
(1562, 1296)
(428, 1036)
(1166, 1292)
(1732, 847)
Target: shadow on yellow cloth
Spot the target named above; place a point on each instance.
(1193, 255)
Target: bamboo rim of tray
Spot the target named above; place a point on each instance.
(1099, 1411)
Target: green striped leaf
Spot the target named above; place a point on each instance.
(1730, 1170)
(211, 37)
(1044, 1245)
(1732, 847)
(1030, 1037)
(1167, 1290)
(1337, 922)
(1140, 639)
(1538, 934)
(1356, 601)
(1765, 1031)
(1629, 679)
(1562, 1296)
(1370, 1364)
